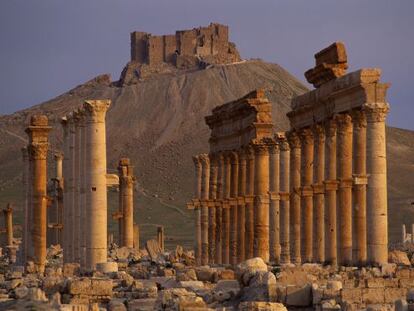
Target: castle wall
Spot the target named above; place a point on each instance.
(139, 46)
(170, 46)
(155, 50)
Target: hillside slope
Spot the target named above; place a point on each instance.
(159, 124)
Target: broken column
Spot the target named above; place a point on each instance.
(136, 236)
(161, 237)
(377, 213)
(274, 212)
(38, 131)
(96, 197)
(126, 198)
(344, 122)
(318, 195)
(284, 199)
(261, 201)
(359, 211)
(8, 222)
(306, 137)
(205, 179)
(197, 210)
(295, 218)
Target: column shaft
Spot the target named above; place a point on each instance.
(274, 212)
(212, 208)
(331, 186)
(284, 201)
(226, 212)
(359, 237)
(233, 207)
(219, 209)
(126, 192)
(249, 236)
(295, 219)
(318, 195)
(345, 188)
(197, 211)
(96, 184)
(261, 202)
(205, 182)
(241, 212)
(76, 187)
(377, 212)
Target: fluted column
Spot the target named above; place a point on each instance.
(76, 189)
(96, 185)
(233, 206)
(274, 210)
(197, 211)
(205, 182)
(219, 209)
(126, 193)
(249, 236)
(226, 210)
(306, 136)
(331, 187)
(241, 205)
(345, 188)
(377, 212)
(295, 182)
(261, 202)
(38, 131)
(359, 215)
(284, 200)
(318, 195)
(212, 208)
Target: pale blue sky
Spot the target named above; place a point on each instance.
(50, 46)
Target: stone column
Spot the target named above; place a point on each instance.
(77, 233)
(274, 212)
(96, 196)
(219, 209)
(26, 196)
(295, 219)
(226, 211)
(197, 211)
(82, 195)
(359, 211)
(136, 236)
(59, 195)
(126, 193)
(161, 237)
(249, 236)
(331, 186)
(234, 187)
(212, 208)
(67, 197)
(345, 188)
(241, 205)
(8, 221)
(284, 200)
(318, 195)
(404, 234)
(377, 213)
(306, 136)
(38, 147)
(261, 202)
(205, 179)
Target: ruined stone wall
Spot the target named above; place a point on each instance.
(186, 48)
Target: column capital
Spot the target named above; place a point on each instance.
(234, 157)
(242, 156)
(331, 127)
(260, 149)
(294, 140)
(319, 132)
(376, 112)
(38, 151)
(274, 148)
(214, 158)
(249, 152)
(95, 110)
(344, 122)
(306, 136)
(196, 160)
(359, 119)
(58, 155)
(282, 141)
(204, 159)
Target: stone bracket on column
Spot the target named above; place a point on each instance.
(284, 196)
(241, 201)
(360, 179)
(318, 188)
(306, 191)
(274, 196)
(345, 183)
(249, 199)
(331, 185)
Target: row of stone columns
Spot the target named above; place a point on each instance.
(84, 172)
(317, 195)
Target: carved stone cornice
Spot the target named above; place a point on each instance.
(95, 110)
(38, 151)
(376, 112)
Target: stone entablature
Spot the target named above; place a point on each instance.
(185, 48)
(236, 124)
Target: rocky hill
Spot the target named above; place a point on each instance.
(159, 123)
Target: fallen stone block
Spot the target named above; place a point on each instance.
(299, 296)
(261, 306)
